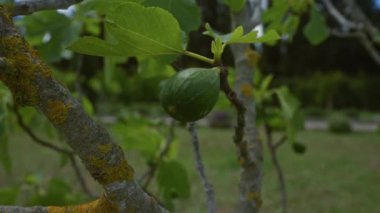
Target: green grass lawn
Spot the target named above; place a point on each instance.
(338, 173)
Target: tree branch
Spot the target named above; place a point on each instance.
(370, 47)
(240, 109)
(149, 175)
(80, 177)
(25, 7)
(17, 209)
(359, 16)
(99, 205)
(252, 171)
(35, 138)
(362, 28)
(338, 16)
(208, 188)
(31, 84)
(53, 147)
(280, 142)
(280, 175)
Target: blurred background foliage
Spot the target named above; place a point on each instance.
(335, 81)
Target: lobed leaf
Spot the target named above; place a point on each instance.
(136, 31)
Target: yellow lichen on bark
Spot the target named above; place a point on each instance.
(101, 205)
(254, 196)
(246, 90)
(5, 11)
(122, 171)
(109, 174)
(57, 111)
(252, 56)
(21, 68)
(105, 148)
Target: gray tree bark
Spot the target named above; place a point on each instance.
(32, 84)
(252, 171)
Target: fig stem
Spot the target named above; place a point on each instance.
(199, 57)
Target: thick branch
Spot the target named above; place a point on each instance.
(25, 7)
(55, 148)
(99, 205)
(31, 84)
(252, 171)
(208, 188)
(17, 209)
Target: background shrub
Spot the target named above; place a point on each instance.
(339, 123)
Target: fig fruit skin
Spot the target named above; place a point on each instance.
(191, 93)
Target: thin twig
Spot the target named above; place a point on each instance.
(80, 177)
(359, 16)
(370, 47)
(240, 109)
(339, 17)
(361, 24)
(208, 188)
(68, 153)
(280, 175)
(149, 175)
(35, 138)
(280, 142)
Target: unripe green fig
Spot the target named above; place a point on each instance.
(190, 94)
(299, 148)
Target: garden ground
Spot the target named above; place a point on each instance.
(338, 173)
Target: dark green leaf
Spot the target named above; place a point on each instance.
(290, 25)
(289, 103)
(186, 11)
(235, 5)
(102, 6)
(140, 137)
(50, 32)
(299, 148)
(95, 46)
(238, 36)
(150, 68)
(87, 105)
(173, 180)
(138, 31)
(266, 82)
(64, 160)
(55, 194)
(316, 31)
